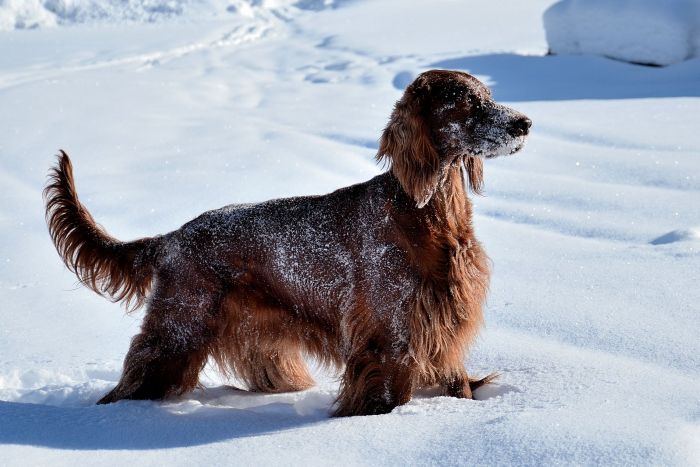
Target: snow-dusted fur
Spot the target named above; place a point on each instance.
(385, 277)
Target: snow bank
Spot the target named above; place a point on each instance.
(30, 14)
(640, 31)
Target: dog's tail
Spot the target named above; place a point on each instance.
(116, 270)
(477, 383)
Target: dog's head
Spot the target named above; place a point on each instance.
(446, 118)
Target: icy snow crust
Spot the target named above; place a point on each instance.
(593, 230)
(640, 31)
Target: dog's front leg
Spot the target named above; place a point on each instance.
(374, 383)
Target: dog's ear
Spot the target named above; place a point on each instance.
(475, 173)
(407, 146)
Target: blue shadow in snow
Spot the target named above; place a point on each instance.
(518, 78)
(144, 425)
(139, 425)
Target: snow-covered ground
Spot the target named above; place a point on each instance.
(593, 229)
(638, 31)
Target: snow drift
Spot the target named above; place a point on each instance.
(639, 31)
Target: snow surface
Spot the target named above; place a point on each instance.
(639, 31)
(593, 229)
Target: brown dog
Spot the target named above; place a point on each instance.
(385, 277)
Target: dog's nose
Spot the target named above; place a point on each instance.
(520, 127)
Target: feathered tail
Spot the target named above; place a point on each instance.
(120, 271)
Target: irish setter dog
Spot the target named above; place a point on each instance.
(384, 279)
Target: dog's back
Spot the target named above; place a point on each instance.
(315, 254)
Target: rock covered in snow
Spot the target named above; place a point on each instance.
(640, 31)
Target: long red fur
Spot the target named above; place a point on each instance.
(118, 270)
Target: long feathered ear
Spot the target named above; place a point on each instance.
(407, 146)
(475, 173)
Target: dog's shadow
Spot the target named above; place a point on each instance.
(206, 416)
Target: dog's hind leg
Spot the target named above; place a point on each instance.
(165, 359)
(152, 370)
(458, 384)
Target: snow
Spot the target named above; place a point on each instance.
(638, 31)
(593, 228)
(28, 14)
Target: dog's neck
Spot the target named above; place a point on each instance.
(448, 204)
(448, 212)
(435, 233)
(450, 201)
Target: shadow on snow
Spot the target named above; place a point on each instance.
(215, 414)
(143, 424)
(517, 78)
